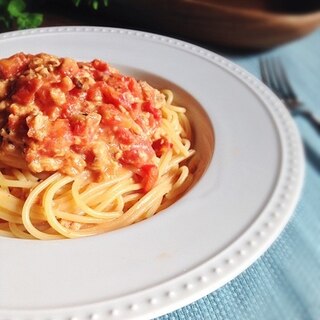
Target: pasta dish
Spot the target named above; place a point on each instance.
(85, 149)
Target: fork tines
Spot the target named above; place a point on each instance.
(275, 77)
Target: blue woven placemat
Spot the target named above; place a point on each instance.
(285, 282)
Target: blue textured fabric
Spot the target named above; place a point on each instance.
(285, 282)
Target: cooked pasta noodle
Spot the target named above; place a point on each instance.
(54, 204)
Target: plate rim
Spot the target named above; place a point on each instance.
(161, 299)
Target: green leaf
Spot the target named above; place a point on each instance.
(76, 2)
(29, 20)
(95, 4)
(16, 7)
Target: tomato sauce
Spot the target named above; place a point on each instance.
(69, 116)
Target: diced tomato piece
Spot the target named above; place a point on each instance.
(97, 75)
(100, 65)
(90, 156)
(135, 88)
(160, 146)
(94, 92)
(148, 106)
(44, 99)
(110, 115)
(85, 126)
(124, 136)
(149, 174)
(119, 81)
(78, 93)
(110, 95)
(71, 107)
(69, 67)
(130, 157)
(26, 90)
(140, 152)
(78, 127)
(43, 95)
(13, 65)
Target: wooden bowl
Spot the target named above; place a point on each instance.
(256, 24)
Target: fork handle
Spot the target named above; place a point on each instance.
(313, 119)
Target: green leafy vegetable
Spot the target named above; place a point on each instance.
(29, 20)
(16, 7)
(14, 13)
(93, 3)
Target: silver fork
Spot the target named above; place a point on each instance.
(275, 77)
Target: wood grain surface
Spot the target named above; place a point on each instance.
(232, 23)
(236, 24)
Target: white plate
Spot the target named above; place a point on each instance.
(229, 218)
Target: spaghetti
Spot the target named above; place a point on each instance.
(85, 149)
